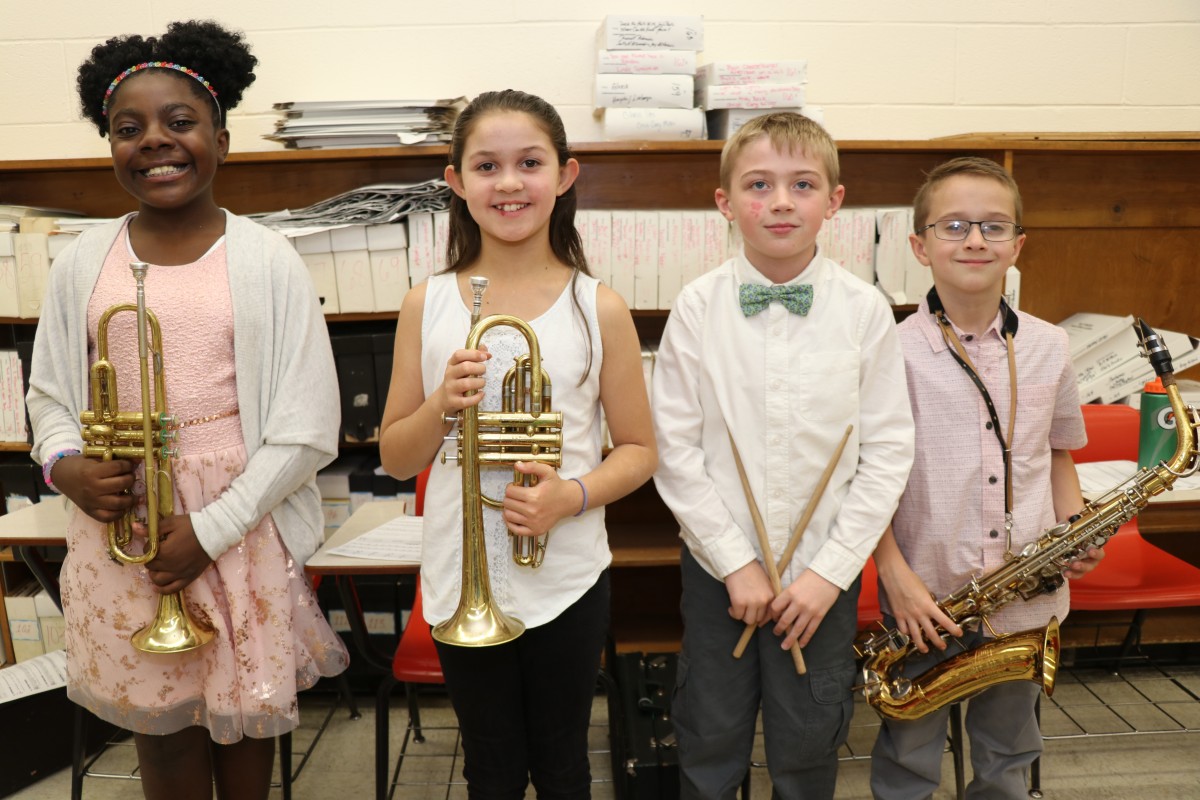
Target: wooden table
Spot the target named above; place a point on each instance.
(1172, 523)
(344, 570)
(29, 529)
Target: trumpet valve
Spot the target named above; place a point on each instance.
(452, 455)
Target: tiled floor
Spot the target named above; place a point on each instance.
(1156, 711)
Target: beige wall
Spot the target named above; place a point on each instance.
(881, 69)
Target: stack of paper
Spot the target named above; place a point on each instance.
(736, 91)
(11, 215)
(1108, 364)
(644, 83)
(358, 248)
(378, 203)
(366, 123)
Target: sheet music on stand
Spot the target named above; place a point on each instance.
(397, 540)
(367, 205)
(1097, 477)
(39, 674)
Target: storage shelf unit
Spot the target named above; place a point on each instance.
(1112, 227)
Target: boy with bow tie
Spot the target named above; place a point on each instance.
(770, 357)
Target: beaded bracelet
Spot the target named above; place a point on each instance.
(48, 467)
(585, 497)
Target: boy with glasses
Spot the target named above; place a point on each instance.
(996, 409)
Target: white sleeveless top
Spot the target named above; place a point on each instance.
(577, 549)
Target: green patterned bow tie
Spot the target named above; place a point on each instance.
(755, 297)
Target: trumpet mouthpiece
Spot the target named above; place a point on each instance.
(479, 285)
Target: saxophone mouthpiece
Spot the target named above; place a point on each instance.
(1153, 348)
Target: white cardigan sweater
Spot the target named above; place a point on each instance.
(286, 382)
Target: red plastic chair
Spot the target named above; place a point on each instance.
(415, 662)
(1112, 432)
(868, 598)
(1134, 574)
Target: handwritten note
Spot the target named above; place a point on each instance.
(652, 32)
(396, 540)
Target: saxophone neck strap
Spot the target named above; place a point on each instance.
(1009, 330)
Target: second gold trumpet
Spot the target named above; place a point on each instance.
(145, 436)
(524, 430)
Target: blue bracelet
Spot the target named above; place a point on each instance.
(585, 497)
(48, 467)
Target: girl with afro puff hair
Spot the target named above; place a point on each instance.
(250, 381)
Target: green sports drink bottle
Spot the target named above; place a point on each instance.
(1156, 441)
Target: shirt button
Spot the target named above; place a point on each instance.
(969, 337)
(987, 425)
(995, 534)
(991, 479)
(777, 493)
(774, 384)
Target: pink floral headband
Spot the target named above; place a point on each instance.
(112, 87)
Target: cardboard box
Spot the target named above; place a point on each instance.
(646, 62)
(644, 91)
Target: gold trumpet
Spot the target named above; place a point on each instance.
(144, 435)
(504, 437)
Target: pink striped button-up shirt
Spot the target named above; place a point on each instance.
(950, 522)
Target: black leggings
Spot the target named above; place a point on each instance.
(524, 707)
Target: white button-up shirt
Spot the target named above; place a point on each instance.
(950, 523)
(785, 387)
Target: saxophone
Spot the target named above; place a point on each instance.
(1036, 570)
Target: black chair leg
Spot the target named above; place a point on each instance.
(382, 732)
(956, 751)
(348, 696)
(414, 711)
(1133, 636)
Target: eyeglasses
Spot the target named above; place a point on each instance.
(956, 230)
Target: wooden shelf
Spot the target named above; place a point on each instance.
(1111, 220)
(14, 447)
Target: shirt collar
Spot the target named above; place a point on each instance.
(933, 333)
(745, 272)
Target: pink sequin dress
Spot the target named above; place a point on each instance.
(272, 640)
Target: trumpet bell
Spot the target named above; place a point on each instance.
(481, 625)
(172, 630)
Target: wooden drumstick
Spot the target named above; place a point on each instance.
(794, 541)
(764, 544)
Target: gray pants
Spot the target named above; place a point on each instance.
(906, 763)
(716, 701)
